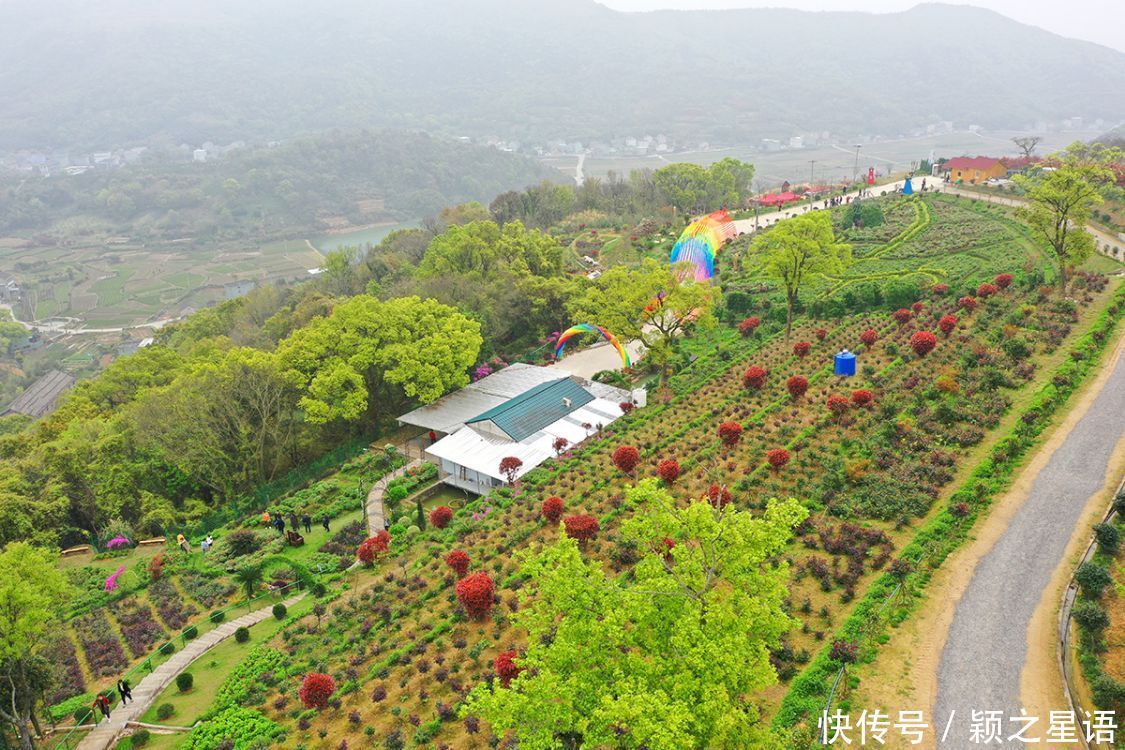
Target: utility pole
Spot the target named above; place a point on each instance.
(855, 170)
(812, 171)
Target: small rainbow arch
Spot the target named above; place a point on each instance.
(700, 243)
(573, 331)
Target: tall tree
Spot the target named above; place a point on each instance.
(1060, 204)
(668, 659)
(799, 249)
(32, 592)
(1027, 144)
(370, 352)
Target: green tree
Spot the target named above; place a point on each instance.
(668, 659)
(799, 249)
(1061, 202)
(684, 186)
(371, 352)
(653, 303)
(32, 593)
(250, 577)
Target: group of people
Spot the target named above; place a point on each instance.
(277, 520)
(183, 543)
(101, 703)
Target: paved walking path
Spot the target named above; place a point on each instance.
(986, 647)
(375, 514)
(147, 690)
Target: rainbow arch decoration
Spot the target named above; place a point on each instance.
(700, 243)
(573, 331)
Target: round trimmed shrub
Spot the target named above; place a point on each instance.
(279, 611)
(1093, 578)
(581, 527)
(316, 689)
(797, 385)
(777, 458)
(184, 681)
(754, 378)
(669, 470)
(802, 348)
(140, 737)
(190, 633)
(458, 561)
(552, 509)
(242, 634)
(441, 516)
(218, 616)
(1109, 538)
(869, 337)
(626, 458)
(168, 648)
(923, 342)
(506, 667)
(1090, 616)
(749, 325)
(165, 711)
(475, 594)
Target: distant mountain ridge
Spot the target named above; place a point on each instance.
(118, 72)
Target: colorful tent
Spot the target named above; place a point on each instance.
(777, 199)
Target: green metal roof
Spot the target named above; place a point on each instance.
(532, 410)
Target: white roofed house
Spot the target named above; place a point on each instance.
(519, 411)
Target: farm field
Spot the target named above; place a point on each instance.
(872, 458)
(122, 285)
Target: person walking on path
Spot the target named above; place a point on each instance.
(279, 524)
(102, 703)
(306, 520)
(266, 518)
(324, 522)
(293, 520)
(125, 690)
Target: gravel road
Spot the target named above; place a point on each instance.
(987, 643)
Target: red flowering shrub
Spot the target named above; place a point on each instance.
(749, 325)
(626, 458)
(923, 342)
(560, 445)
(316, 689)
(1003, 280)
(777, 458)
(918, 307)
(821, 334)
(967, 303)
(844, 652)
(441, 516)
(730, 433)
(669, 470)
(754, 378)
(947, 324)
(869, 337)
(582, 527)
(625, 407)
(156, 566)
(552, 509)
(986, 290)
(717, 495)
(902, 316)
(940, 289)
(863, 397)
(665, 547)
(797, 385)
(836, 404)
(801, 348)
(509, 467)
(475, 594)
(373, 547)
(458, 561)
(506, 668)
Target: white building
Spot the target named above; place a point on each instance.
(520, 411)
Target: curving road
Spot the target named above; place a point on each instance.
(986, 648)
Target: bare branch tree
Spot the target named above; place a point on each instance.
(1027, 143)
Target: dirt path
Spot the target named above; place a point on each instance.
(905, 673)
(986, 646)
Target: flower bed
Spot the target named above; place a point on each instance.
(140, 630)
(208, 591)
(170, 604)
(100, 644)
(68, 672)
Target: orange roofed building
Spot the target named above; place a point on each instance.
(973, 170)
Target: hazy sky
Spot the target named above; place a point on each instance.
(1101, 21)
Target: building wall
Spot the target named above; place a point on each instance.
(977, 176)
(466, 479)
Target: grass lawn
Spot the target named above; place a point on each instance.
(1099, 263)
(209, 672)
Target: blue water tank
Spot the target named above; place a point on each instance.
(845, 363)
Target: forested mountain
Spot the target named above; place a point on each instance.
(303, 185)
(122, 71)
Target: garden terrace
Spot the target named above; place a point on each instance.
(868, 476)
